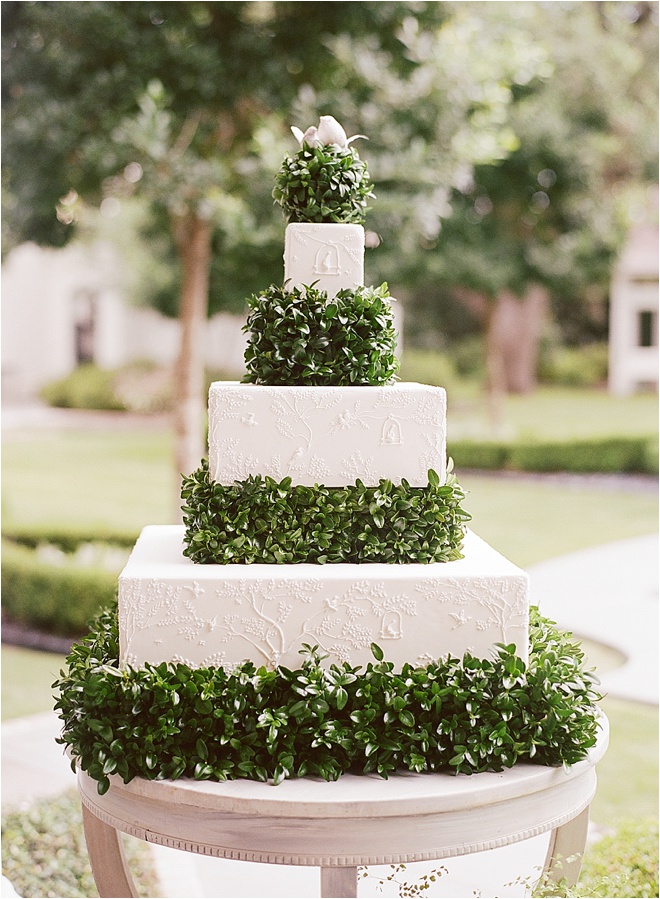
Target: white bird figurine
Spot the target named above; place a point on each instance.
(329, 131)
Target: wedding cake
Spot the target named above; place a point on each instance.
(326, 515)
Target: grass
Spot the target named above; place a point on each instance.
(556, 413)
(26, 678)
(95, 479)
(531, 520)
(125, 480)
(628, 772)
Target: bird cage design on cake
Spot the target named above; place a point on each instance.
(391, 433)
(327, 260)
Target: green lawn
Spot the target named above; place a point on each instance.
(532, 520)
(555, 413)
(96, 479)
(27, 675)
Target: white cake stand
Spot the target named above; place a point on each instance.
(358, 820)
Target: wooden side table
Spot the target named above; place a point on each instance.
(358, 820)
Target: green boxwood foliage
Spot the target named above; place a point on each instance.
(463, 716)
(324, 184)
(53, 598)
(263, 520)
(300, 337)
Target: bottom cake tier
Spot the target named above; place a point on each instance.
(173, 610)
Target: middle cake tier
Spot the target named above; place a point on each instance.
(327, 435)
(218, 615)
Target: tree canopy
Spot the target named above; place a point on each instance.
(499, 134)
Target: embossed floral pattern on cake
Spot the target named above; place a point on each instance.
(210, 617)
(327, 435)
(331, 256)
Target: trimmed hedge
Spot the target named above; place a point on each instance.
(597, 454)
(59, 599)
(67, 539)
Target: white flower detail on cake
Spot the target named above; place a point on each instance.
(328, 131)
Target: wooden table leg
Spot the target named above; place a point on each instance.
(566, 849)
(106, 854)
(337, 883)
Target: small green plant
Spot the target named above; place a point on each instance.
(458, 715)
(263, 520)
(300, 337)
(44, 852)
(86, 387)
(406, 888)
(324, 184)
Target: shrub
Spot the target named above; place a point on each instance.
(323, 184)
(56, 598)
(584, 366)
(299, 337)
(609, 454)
(488, 455)
(86, 387)
(68, 539)
(468, 356)
(597, 454)
(140, 386)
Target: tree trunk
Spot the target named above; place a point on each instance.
(513, 332)
(521, 327)
(193, 240)
(496, 386)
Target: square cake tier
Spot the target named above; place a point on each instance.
(218, 615)
(329, 256)
(327, 435)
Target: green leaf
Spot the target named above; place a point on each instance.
(377, 652)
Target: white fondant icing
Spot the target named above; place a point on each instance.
(171, 609)
(328, 435)
(331, 256)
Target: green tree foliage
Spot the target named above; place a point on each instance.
(171, 98)
(504, 155)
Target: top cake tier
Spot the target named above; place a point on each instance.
(330, 256)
